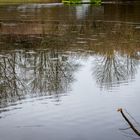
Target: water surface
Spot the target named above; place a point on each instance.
(65, 70)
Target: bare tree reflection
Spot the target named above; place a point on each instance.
(11, 85)
(47, 71)
(52, 73)
(117, 56)
(35, 73)
(111, 70)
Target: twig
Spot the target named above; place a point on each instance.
(130, 124)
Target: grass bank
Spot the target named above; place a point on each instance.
(7, 2)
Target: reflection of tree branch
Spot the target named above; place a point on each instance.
(113, 69)
(10, 83)
(44, 72)
(53, 74)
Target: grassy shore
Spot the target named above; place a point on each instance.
(16, 2)
(5, 2)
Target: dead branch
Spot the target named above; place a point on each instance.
(128, 121)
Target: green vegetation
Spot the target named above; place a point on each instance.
(72, 1)
(97, 2)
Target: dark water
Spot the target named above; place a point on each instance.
(65, 70)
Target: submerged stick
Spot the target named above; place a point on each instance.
(130, 124)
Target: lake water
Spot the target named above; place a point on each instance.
(65, 70)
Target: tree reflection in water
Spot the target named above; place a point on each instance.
(117, 58)
(45, 70)
(10, 83)
(35, 73)
(51, 72)
(113, 70)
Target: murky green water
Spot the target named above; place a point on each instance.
(65, 70)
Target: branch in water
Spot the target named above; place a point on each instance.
(127, 120)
